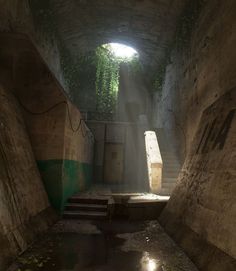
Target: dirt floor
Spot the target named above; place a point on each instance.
(104, 246)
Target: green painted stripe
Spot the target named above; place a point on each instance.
(51, 172)
(77, 177)
(63, 178)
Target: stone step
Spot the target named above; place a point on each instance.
(168, 163)
(171, 169)
(166, 152)
(168, 185)
(169, 180)
(87, 200)
(85, 207)
(169, 174)
(85, 215)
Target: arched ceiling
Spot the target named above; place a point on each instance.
(146, 25)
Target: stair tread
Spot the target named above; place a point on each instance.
(86, 205)
(168, 185)
(90, 213)
(88, 200)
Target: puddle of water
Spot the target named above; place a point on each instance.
(97, 251)
(78, 252)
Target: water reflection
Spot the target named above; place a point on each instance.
(149, 264)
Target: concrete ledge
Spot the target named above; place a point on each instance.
(138, 207)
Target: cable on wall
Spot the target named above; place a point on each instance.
(74, 130)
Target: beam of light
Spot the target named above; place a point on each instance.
(122, 51)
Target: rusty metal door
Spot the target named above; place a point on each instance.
(113, 163)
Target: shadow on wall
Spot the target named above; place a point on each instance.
(201, 213)
(61, 142)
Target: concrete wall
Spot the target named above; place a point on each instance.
(201, 213)
(64, 164)
(198, 74)
(78, 154)
(132, 137)
(24, 205)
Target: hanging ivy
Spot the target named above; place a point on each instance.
(107, 80)
(107, 77)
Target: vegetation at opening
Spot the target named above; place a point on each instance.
(99, 70)
(107, 76)
(93, 72)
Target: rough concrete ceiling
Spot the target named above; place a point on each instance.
(147, 25)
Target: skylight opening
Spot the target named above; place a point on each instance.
(122, 51)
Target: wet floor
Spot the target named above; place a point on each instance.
(103, 246)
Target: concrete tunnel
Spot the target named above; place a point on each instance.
(77, 166)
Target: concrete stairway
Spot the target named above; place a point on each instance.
(92, 208)
(171, 165)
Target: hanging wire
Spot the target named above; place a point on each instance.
(75, 130)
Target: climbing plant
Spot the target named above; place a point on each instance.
(107, 77)
(96, 70)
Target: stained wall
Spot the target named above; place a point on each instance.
(201, 213)
(24, 207)
(62, 143)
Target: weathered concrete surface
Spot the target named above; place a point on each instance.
(63, 29)
(78, 149)
(63, 152)
(16, 17)
(24, 206)
(201, 213)
(198, 74)
(146, 25)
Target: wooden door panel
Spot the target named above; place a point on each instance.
(114, 160)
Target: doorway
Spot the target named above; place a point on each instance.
(114, 163)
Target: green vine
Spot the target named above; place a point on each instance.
(107, 77)
(107, 80)
(96, 71)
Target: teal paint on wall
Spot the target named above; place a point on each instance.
(51, 172)
(77, 177)
(63, 178)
